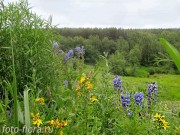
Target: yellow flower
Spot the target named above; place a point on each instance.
(160, 118)
(40, 101)
(59, 125)
(157, 116)
(56, 123)
(51, 122)
(93, 98)
(37, 122)
(165, 126)
(64, 123)
(89, 85)
(82, 80)
(36, 119)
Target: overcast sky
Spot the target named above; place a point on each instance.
(110, 13)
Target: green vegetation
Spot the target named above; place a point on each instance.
(128, 50)
(68, 89)
(173, 52)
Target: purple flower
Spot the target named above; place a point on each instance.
(125, 100)
(139, 98)
(68, 55)
(117, 83)
(152, 93)
(55, 46)
(80, 51)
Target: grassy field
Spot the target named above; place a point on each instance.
(169, 85)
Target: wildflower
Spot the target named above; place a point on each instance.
(117, 83)
(89, 85)
(36, 119)
(80, 51)
(162, 123)
(68, 55)
(139, 98)
(56, 122)
(152, 93)
(40, 101)
(157, 116)
(51, 122)
(64, 123)
(125, 100)
(82, 80)
(93, 99)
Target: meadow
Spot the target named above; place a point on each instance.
(48, 90)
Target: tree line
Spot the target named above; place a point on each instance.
(127, 48)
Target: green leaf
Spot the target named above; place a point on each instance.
(20, 114)
(173, 52)
(26, 109)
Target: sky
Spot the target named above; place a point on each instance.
(109, 13)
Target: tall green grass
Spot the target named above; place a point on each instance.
(173, 52)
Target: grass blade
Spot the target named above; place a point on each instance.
(20, 114)
(26, 109)
(173, 52)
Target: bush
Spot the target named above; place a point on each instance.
(118, 63)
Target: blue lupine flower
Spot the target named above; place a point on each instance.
(125, 100)
(152, 93)
(68, 55)
(139, 98)
(80, 51)
(149, 88)
(117, 83)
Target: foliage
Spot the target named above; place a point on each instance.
(139, 47)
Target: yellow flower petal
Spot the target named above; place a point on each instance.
(93, 98)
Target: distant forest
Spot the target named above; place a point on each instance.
(128, 49)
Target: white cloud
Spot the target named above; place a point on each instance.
(110, 13)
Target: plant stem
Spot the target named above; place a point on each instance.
(14, 87)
